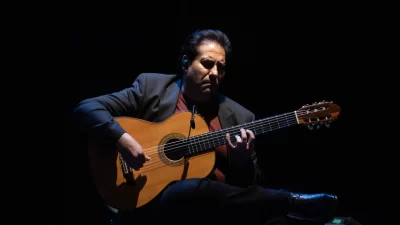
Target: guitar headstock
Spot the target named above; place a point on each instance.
(317, 114)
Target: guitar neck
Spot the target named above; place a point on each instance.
(207, 141)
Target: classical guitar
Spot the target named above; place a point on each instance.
(175, 155)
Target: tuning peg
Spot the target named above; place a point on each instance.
(311, 127)
(328, 124)
(318, 126)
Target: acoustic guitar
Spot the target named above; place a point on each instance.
(179, 151)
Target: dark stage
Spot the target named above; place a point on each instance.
(274, 70)
(278, 66)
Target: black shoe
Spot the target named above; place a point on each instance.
(314, 207)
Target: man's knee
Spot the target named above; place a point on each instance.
(180, 189)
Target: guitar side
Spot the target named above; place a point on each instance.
(108, 174)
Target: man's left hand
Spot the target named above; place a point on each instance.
(245, 142)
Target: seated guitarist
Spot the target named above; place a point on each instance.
(232, 194)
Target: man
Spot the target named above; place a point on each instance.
(231, 194)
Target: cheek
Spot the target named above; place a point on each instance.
(198, 74)
(221, 78)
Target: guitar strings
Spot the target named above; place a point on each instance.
(217, 133)
(181, 145)
(254, 124)
(251, 125)
(158, 163)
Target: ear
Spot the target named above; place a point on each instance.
(185, 60)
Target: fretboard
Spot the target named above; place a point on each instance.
(207, 141)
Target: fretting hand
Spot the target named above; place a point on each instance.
(244, 142)
(239, 154)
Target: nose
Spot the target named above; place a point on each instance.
(214, 73)
(213, 76)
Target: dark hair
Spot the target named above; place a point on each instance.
(190, 47)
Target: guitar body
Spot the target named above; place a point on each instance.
(134, 189)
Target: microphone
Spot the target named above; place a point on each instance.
(192, 123)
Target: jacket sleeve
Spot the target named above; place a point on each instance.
(258, 173)
(245, 172)
(95, 115)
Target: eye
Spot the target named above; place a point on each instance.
(221, 67)
(208, 64)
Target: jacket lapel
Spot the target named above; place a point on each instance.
(168, 101)
(225, 114)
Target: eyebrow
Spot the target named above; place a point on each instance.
(208, 58)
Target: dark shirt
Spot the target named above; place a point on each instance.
(209, 112)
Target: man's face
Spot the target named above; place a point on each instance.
(206, 71)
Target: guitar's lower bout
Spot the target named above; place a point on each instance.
(165, 166)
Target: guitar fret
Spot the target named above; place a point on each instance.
(278, 122)
(270, 128)
(189, 145)
(213, 139)
(197, 149)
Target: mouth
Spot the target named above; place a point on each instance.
(205, 83)
(205, 87)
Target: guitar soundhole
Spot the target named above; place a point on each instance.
(174, 149)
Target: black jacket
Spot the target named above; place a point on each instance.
(153, 97)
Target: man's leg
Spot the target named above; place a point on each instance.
(199, 201)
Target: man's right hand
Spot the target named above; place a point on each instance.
(131, 151)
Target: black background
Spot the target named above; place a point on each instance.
(280, 63)
(277, 67)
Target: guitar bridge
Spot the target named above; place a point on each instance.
(127, 171)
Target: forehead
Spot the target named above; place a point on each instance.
(211, 50)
